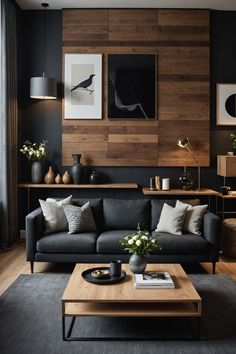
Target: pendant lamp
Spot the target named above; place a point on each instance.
(43, 88)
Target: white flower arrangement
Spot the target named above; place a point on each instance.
(139, 243)
(34, 153)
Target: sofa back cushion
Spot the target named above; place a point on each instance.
(126, 214)
(96, 206)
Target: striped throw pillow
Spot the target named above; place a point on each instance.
(80, 219)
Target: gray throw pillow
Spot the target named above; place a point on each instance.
(193, 218)
(54, 215)
(171, 219)
(79, 219)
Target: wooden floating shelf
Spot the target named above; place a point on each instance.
(202, 191)
(81, 186)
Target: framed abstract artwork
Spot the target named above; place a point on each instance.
(226, 104)
(83, 86)
(131, 86)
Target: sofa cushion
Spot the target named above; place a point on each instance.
(97, 209)
(80, 219)
(157, 205)
(54, 216)
(108, 241)
(156, 208)
(180, 244)
(193, 217)
(61, 242)
(172, 219)
(126, 214)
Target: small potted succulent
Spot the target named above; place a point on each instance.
(139, 244)
(232, 138)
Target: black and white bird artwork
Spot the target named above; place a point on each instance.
(83, 85)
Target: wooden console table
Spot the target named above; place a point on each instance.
(180, 192)
(30, 186)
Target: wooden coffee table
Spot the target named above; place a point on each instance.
(81, 298)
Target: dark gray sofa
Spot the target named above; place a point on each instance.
(115, 219)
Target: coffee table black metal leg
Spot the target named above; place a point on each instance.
(68, 336)
(195, 326)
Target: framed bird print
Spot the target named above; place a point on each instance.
(83, 86)
(132, 86)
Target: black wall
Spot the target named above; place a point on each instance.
(42, 119)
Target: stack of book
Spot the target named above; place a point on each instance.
(153, 280)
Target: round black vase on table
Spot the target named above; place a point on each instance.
(95, 177)
(77, 169)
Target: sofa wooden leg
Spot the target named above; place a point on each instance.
(213, 267)
(32, 267)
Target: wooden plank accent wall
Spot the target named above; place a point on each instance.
(180, 41)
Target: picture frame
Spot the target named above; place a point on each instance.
(83, 86)
(226, 104)
(132, 86)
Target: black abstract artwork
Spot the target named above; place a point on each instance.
(131, 86)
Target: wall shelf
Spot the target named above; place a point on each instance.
(202, 191)
(77, 186)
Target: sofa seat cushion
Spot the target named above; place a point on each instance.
(180, 244)
(61, 242)
(108, 241)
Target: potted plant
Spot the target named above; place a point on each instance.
(139, 244)
(36, 154)
(232, 138)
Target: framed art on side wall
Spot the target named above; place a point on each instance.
(226, 104)
(83, 86)
(131, 86)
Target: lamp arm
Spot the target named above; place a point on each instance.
(193, 156)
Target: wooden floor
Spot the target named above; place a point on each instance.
(13, 263)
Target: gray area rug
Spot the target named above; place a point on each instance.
(30, 321)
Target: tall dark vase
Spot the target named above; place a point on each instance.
(36, 172)
(77, 169)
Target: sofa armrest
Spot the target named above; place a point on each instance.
(212, 231)
(34, 230)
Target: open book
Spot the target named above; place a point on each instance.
(153, 280)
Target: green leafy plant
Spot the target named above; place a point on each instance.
(232, 138)
(139, 243)
(34, 152)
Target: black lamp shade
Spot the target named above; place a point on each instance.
(43, 88)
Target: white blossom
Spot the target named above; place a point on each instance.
(131, 242)
(138, 243)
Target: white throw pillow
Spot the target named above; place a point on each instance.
(54, 215)
(80, 219)
(171, 219)
(193, 217)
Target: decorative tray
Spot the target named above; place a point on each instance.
(87, 275)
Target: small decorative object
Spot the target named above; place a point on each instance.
(77, 169)
(186, 180)
(66, 179)
(50, 176)
(100, 273)
(36, 154)
(139, 244)
(58, 179)
(95, 177)
(158, 182)
(165, 184)
(115, 268)
(152, 184)
(224, 189)
(232, 138)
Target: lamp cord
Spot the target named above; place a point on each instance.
(193, 156)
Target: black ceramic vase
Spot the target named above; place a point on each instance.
(36, 172)
(95, 177)
(77, 169)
